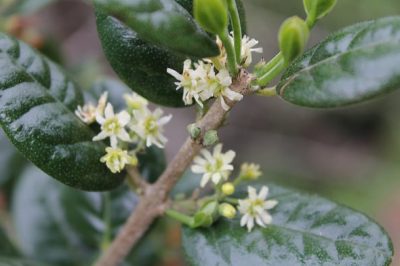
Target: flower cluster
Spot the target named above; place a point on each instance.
(217, 168)
(210, 78)
(129, 131)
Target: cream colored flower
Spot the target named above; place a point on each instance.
(135, 102)
(116, 159)
(188, 82)
(220, 85)
(149, 126)
(250, 171)
(215, 167)
(247, 50)
(88, 112)
(113, 126)
(254, 208)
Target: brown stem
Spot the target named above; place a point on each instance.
(155, 197)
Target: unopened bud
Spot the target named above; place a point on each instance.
(228, 189)
(194, 131)
(212, 15)
(227, 210)
(210, 138)
(293, 37)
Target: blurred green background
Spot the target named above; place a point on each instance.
(350, 155)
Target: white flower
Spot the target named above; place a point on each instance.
(88, 112)
(254, 208)
(222, 81)
(247, 50)
(250, 171)
(113, 126)
(149, 126)
(216, 166)
(116, 159)
(135, 102)
(187, 80)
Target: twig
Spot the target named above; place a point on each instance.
(154, 201)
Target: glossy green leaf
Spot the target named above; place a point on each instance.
(142, 66)
(37, 102)
(62, 226)
(306, 230)
(165, 23)
(9, 261)
(350, 66)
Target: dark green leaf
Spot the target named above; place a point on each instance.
(8, 261)
(143, 67)
(165, 23)
(306, 230)
(154, 165)
(36, 112)
(62, 226)
(350, 66)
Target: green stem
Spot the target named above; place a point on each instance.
(231, 200)
(230, 53)
(237, 29)
(271, 70)
(183, 218)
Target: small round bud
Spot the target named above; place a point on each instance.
(212, 15)
(194, 131)
(210, 138)
(226, 210)
(250, 171)
(293, 37)
(317, 9)
(228, 189)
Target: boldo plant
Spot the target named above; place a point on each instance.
(105, 143)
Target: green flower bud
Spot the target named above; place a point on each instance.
(227, 210)
(228, 189)
(317, 9)
(293, 37)
(210, 138)
(212, 15)
(194, 131)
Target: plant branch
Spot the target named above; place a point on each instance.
(155, 198)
